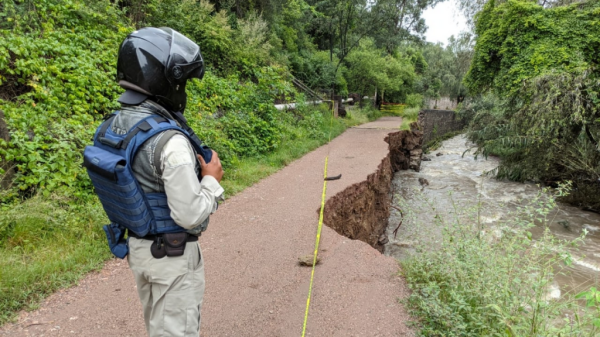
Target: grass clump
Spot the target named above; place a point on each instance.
(47, 243)
(409, 116)
(482, 281)
(393, 109)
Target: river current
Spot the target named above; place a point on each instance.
(454, 179)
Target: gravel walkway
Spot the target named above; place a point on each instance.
(254, 285)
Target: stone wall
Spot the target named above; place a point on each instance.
(436, 123)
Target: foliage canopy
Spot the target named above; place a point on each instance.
(542, 65)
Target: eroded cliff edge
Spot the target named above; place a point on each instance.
(361, 211)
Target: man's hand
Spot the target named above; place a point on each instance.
(213, 168)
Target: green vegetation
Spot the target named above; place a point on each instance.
(57, 73)
(537, 103)
(479, 281)
(445, 68)
(250, 170)
(369, 70)
(47, 243)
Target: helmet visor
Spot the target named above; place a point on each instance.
(184, 47)
(185, 60)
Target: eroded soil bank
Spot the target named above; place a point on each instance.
(361, 211)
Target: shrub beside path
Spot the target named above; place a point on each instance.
(254, 285)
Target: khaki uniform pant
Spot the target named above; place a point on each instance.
(171, 289)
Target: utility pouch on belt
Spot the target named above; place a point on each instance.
(116, 240)
(169, 244)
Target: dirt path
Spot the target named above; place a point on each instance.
(254, 285)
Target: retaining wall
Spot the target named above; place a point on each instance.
(441, 103)
(436, 123)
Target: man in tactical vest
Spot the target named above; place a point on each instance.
(156, 180)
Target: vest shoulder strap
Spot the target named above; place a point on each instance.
(144, 125)
(106, 124)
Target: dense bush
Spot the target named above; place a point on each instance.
(238, 47)
(544, 122)
(57, 84)
(370, 70)
(317, 71)
(414, 100)
(238, 119)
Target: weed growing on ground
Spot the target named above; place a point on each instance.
(495, 281)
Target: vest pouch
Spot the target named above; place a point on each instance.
(175, 243)
(118, 191)
(102, 162)
(116, 240)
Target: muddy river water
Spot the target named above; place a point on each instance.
(451, 180)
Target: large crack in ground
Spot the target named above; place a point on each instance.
(361, 211)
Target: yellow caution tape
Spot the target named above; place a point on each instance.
(318, 239)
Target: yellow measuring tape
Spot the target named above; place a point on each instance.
(318, 239)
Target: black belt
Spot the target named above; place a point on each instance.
(153, 237)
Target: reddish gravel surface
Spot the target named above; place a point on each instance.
(254, 285)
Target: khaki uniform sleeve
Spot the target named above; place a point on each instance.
(191, 202)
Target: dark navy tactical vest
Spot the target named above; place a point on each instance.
(109, 165)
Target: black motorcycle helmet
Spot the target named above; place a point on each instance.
(156, 63)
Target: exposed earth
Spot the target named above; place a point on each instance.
(254, 283)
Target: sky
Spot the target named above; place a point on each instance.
(443, 21)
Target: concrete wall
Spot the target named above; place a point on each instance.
(436, 123)
(441, 103)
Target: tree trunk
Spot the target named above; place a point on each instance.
(375, 98)
(8, 167)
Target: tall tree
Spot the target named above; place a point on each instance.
(401, 21)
